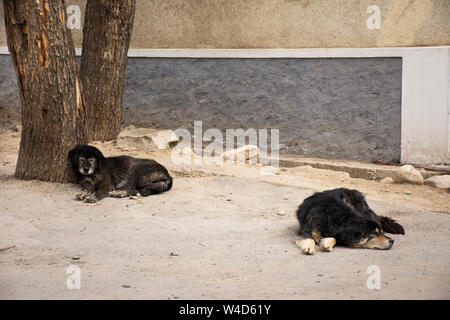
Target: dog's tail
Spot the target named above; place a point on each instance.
(390, 226)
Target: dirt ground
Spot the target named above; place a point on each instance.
(218, 234)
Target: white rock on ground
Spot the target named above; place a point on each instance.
(408, 174)
(387, 180)
(144, 139)
(442, 182)
(244, 153)
(269, 170)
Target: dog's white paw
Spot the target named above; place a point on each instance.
(91, 198)
(118, 193)
(309, 250)
(306, 245)
(135, 197)
(327, 244)
(82, 195)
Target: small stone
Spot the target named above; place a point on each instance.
(407, 192)
(408, 174)
(269, 170)
(282, 212)
(243, 153)
(126, 286)
(441, 182)
(130, 128)
(387, 180)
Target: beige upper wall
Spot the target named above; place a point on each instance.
(283, 23)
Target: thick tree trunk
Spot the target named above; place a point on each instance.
(43, 56)
(107, 32)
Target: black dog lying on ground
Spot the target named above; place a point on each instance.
(116, 176)
(343, 217)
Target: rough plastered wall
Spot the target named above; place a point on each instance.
(282, 23)
(339, 108)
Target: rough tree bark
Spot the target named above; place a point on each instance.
(107, 32)
(43, 56)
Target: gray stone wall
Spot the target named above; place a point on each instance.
(334, 108)
(9, 94)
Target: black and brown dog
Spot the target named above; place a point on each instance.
(343, 217)
(116, 176)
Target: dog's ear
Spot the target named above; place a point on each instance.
(100, 161)
(390, 225)
(73, 156)
(100, 158)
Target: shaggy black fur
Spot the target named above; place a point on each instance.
(342, 214)
(117, 176)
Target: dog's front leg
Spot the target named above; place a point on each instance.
(104, 184)
(327, 244)
(118, 193)
(307, 245)
(82, 194)
(87, 189)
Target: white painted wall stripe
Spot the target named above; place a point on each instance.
(425, 88)
(272, 53)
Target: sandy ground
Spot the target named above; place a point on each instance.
(217, 234)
